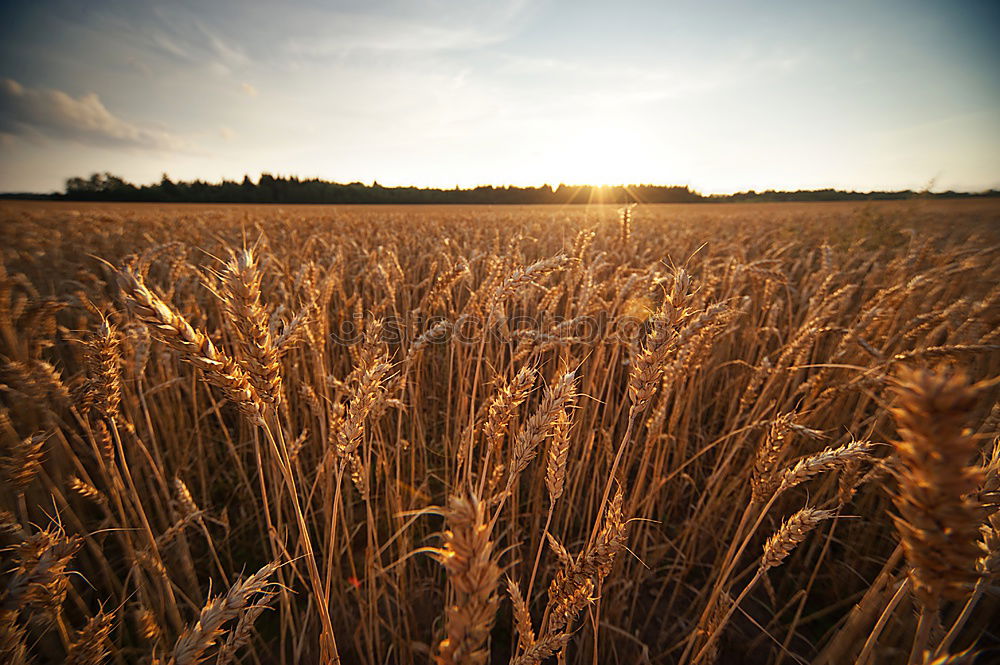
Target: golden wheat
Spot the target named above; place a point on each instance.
(621, 411)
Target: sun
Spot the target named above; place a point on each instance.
(603, 153)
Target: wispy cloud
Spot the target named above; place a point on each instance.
(411, 27)
(369, 33)
(55, 114)
(249, 90)
(178, 35)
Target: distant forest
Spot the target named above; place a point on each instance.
(278, 189)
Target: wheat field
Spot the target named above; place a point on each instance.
(666, 434)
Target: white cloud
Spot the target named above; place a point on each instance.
(55, 114)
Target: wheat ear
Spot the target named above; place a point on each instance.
(194, 346)
(468, 558)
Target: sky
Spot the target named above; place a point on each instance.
(722, 96)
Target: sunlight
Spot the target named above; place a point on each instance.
(602, 153)
(498, 331)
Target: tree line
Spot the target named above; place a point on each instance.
(289, 190)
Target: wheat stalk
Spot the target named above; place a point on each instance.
(173, 329)
(467, 556)
(939, 517)
(242, 300)
(90, 645)
(203, 634)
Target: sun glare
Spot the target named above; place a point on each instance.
(602, 153)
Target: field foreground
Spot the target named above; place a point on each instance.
(686, 434)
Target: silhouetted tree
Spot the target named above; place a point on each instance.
(281, 189)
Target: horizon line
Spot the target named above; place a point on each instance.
(930, 189)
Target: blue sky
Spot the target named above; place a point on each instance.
(722, 96)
